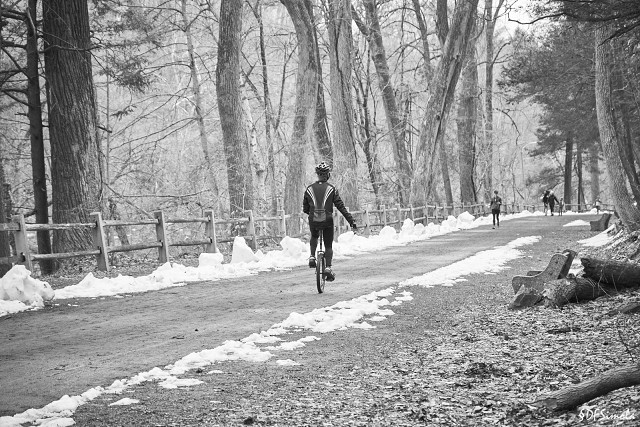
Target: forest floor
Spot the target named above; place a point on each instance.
(452, 356)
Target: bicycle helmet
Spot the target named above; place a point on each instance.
(323, 168)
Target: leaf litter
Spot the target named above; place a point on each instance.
(451, 356)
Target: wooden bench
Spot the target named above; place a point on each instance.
(558, 268)
(601, 224)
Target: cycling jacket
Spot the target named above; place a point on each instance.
(318, 202)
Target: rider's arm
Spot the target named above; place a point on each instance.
(305, 203)
(337, 201)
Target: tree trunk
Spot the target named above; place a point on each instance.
(568, 170)
(629, 214)
(340, 46)
(626, 149)
(321, 122)
(39, 173)
(424, 37)
(73, 123)
(561, 292)
(594, 172)
(115, 215)
(268, 115)
(394, 122)
(258, 169)
(435, 119)
(442, 21)
(616, 274)
(5, 217)
(234, 137)
(305, 108)
(625, 140)
(577, 394)
(581, 201)
(488, 97)
(210, 177)
(444, 170)
(367, 137)
(467, 122)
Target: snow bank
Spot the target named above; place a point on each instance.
(22, 291)
(19, 292)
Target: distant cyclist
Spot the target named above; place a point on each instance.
(319, 199)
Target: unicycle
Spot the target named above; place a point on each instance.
(320, 265)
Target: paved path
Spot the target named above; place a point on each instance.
(69, 349)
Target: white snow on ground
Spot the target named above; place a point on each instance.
(601, 239)
(355, 313)
(489, 261)
(125, 401)
(576, 223)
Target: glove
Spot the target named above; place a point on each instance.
(354, 227)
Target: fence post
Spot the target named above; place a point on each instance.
(399, 210)
(210, 233)
(22, 247)
(282, 224)
(161, 235)
(251, 230)
(367, 229)
(412, 213)
(100, 241)
(384, 215)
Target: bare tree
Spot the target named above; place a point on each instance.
(338, 17)
(629, 214)
(232, 120)
(30, 96)
(321, 122)
(73, 125)
(199, 116)
(490, 16)
(443, 88)
(270, 126)
(467, 121)
(394, 120)
(594, 172)
(305, 108)
(5, 215)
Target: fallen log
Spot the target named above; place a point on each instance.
(616, 274)
(558, 293)
(577, 394)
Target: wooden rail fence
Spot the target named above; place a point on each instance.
(257, 229)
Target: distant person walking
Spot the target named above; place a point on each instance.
(552, 201)
(598, 206)
(561, 206)
(496, 204)
(545, 200)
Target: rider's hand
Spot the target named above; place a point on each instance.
(354, 227)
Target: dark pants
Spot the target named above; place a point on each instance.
(496, 216)
(327, 239)
(551, 206)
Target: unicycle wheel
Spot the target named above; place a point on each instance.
(320, 266)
